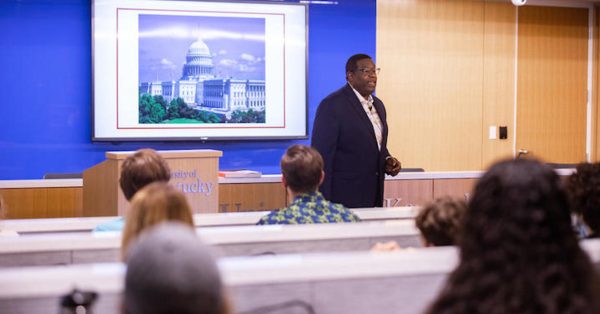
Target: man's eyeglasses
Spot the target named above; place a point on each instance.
(369, 71)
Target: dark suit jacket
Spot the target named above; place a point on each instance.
(354, 166)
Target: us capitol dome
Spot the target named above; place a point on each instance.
(199, 63)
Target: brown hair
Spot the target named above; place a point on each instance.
(155, 203)
(439, 220)
(302, 166)
(142, 168)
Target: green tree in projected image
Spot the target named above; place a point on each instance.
(154, 109)
(250, 116)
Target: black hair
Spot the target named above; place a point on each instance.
(518, 252)
(351, 63)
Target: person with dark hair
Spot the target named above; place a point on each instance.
(439, 221)
(142, 168)
(584, 193)
(518, 253)
(302, 173)
(138, 170)
(350, 131)
(169, 270)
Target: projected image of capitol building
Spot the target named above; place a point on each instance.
(202, 90)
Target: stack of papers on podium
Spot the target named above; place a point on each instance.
(239, 174)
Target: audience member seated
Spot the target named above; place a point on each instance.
(169, 270)
(584, 193)
(302, 173)
(138, 170)
(156, 203)
(438, 222)
(518, 253)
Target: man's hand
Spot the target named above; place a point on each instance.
(392, 166)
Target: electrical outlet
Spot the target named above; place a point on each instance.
(503, 132)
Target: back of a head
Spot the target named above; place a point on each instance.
(522, 203)
(140, 169)
(302, 167)
(584, 193)
(156, 203)
(169, 270)
(439, 221)
(518, 251)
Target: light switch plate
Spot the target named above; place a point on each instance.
(492, 134)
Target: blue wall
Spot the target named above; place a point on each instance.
(45, 86)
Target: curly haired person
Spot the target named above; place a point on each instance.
(518, 252)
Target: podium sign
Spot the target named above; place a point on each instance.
(194, 172)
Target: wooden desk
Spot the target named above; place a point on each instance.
(63, 197)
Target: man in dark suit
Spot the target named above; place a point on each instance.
(350, 131)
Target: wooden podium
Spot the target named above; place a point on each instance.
(194, 172)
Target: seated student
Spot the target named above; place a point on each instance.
(438, 222)
(302, 173)
(138, 170)
(169, 270)
(584, 192)
(518, 253)
(156, 203)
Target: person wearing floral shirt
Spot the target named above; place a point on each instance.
(302, 173)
